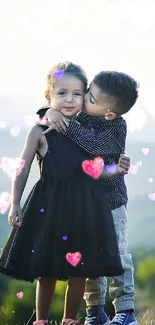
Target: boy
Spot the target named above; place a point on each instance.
(101, 131)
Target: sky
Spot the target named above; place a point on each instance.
(98, 35)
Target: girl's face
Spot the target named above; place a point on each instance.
(67, 95)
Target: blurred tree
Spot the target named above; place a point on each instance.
(145, 272)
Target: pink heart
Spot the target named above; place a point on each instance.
(59, 74)
(18, 172)
(133, 169)
(152, 196)
(73, 258)
(15, 131)
(5, 199)
(145, 151)
(20, 163)
(94, 167)
(20, 295)
(150, 180)
(5, 164)
(12, 167)
(139, 163)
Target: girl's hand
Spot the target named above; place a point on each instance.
(15, 215)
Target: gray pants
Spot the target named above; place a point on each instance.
(122, 287)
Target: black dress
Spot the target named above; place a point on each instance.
(66, 212)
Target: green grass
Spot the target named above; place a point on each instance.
(147, 319)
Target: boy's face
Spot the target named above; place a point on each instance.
(96, 104)
(67, 95)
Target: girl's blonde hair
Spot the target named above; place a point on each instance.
(59, 70)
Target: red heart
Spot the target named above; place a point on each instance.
(73, 258)
(94, 167)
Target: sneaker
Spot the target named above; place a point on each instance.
(96, 316)
(124, 319)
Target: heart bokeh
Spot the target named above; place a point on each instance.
(74, 258)
(94, 167)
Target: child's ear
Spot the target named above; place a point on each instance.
(47, 96)
(110, 115)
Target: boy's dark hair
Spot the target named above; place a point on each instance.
(66, 68)
(120, 88)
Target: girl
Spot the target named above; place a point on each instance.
(65, 229)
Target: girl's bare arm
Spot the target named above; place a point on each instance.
(31, 145)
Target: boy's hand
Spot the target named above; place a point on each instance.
(55, 121)
(123, 165)
(15, 215)
(114, 170)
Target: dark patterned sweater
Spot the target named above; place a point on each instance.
(104, 138)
